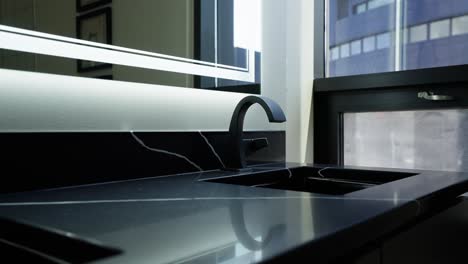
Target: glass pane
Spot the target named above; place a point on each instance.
(344, 50)
(360, 8)
(378, 3)
(368, 32)
(369, 44)
(440, 29)
(433, 140)
(418, 33)
(356, 47)
(342, 6)
(460, 25)
(383, 41)
(335, 53)
(397, 35)
(230, 29)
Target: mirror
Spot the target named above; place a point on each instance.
(147, 37)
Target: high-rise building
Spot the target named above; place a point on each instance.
(370, 36)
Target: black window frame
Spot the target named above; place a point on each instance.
(388, 91)
(254, 88)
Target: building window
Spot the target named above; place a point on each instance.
(399, 28)
(344, 50)
(440, 29)
(369, 44)
(335, 53)
(460, 25)
(383, 41)
(418, 33)
(369, 5)
(356, 47)
(342, 8)
(360, 8)
(378, 3)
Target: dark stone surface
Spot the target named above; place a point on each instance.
(179, 218)
(45, 160)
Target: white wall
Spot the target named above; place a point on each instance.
(300, 71)
(287, 68)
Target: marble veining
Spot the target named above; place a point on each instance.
(97, 157)
(212, 149)
(165, 152)
(183, 219)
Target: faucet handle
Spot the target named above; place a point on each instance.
(255, 144)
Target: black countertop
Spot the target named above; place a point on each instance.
(181, 219)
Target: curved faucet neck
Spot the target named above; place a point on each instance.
(275, 115)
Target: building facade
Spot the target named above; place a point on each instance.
(370, 36)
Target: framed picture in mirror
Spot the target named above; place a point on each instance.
(85, 5)
(97, 27)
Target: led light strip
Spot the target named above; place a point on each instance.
(48, 44)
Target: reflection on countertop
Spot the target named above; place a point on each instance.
(181, 219)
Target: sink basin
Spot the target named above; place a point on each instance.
(334, 181)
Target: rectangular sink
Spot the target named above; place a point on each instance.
(334, 181)
(28, 243)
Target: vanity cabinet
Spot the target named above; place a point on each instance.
(438, 239)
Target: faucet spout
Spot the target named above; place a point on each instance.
(275, 114)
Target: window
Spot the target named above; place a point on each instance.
(373, 4)
(440, 29)
(342, 8)
(379, 120)
(369, 44)
(378, 3)
(228, 29)
(369, 5)
(460, 25)
(344, 50)
(360, 8)
(356, 47)
(335, 53)
(383, 41)
(418, 33)
(373, 114)
(424, 139)
(415, 34)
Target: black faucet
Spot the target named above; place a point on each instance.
(236, 156)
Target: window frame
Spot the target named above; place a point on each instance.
(388, 91)
(254, 88)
